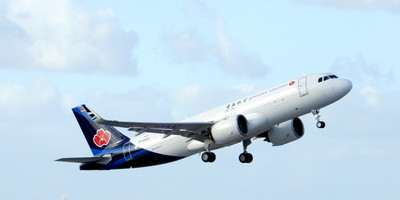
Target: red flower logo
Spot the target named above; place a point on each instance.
(102, 137)
(292, 83)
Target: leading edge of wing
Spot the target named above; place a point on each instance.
(152, 124)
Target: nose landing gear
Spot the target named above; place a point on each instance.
(320, 124)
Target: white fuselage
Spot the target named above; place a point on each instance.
(278, 104)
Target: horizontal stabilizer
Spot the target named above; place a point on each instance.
(101, 160)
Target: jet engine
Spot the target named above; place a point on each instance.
(229, 129)
(234, 129)
(285, 132)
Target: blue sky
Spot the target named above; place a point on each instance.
(165, 60)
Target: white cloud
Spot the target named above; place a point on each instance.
(368, 111)
(234, 59)
(33, 102)
(57, 35)
(68, 101)
(360, 69)
(247, 88)
(391, 5)
(372, 96)
(198, 8)
(139, 104)
(190, 46)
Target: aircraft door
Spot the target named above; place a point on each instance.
(127, 151)
(303, 86)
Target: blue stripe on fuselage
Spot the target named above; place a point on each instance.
(116, 164)
(140, 158)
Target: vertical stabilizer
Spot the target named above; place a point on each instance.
(102, 139)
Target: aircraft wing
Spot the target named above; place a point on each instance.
(177, 128)
(169, 128)
(163, 128)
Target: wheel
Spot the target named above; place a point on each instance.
(208, 157)
(321, 124)
(242, 158)
(249, 158)
(212, 157)
(245, 158)
(205, 156)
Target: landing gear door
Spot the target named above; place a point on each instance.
(303, 86)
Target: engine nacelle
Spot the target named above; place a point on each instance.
(286, 132)
(229, 130)
(257, 123)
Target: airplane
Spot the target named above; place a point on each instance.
(272, 114)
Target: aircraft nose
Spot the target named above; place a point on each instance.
(346, 86)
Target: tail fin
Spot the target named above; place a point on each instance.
(102, 139)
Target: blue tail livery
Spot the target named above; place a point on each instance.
(102, 139)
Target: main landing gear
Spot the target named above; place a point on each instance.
(243, 157)
(246, 157)
(320, 124)
(208, 156)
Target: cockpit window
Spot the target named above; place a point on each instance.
(332, 76)
(320, 79)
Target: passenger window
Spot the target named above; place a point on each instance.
(326, 78)
(320, 80)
